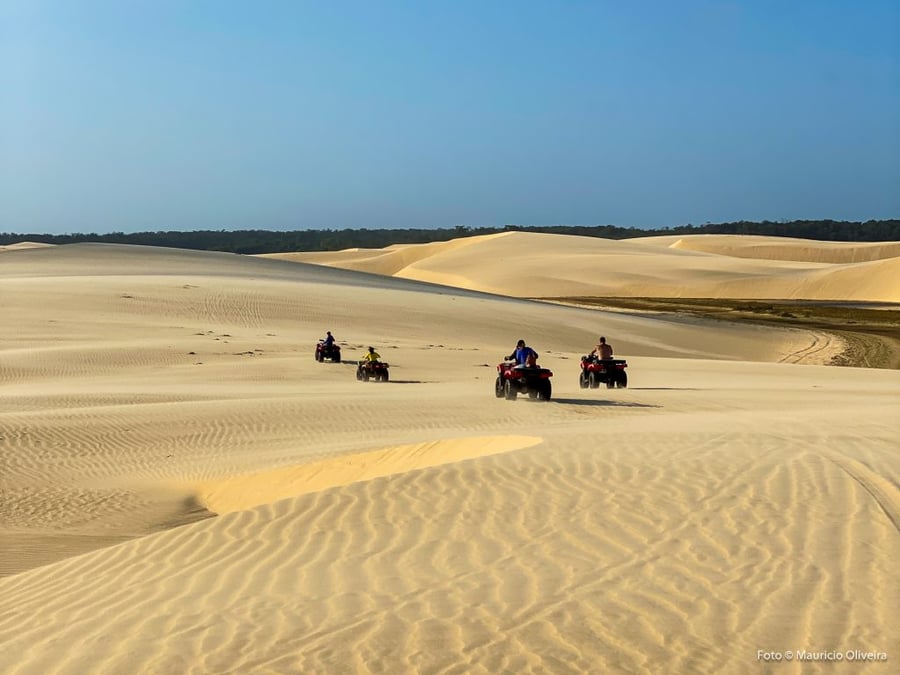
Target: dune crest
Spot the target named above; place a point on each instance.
(390, 261)
(780, 248)
(238, 493)
(22, 245)
(535, 265)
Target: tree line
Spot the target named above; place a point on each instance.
(272, 241)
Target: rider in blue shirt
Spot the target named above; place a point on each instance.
(523, 354)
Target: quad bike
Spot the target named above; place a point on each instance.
(324, 351)
(513, 380)
(609, 371)
(376, 370)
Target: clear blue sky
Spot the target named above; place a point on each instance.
(182, 115)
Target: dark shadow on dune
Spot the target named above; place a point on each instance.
(601, 402)
(190, 511)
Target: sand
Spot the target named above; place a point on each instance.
(186, 490)
(533, 265)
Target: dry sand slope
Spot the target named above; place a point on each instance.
(533, 265)
(728, 501)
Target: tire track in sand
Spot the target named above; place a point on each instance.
(887, 496)
(821, 342)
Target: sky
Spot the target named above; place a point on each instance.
(185, 115)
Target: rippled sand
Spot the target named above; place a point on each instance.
(186, 490)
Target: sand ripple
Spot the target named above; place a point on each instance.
(728, 501)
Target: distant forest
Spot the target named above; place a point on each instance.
(268, 241)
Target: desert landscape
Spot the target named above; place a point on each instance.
(185, 489)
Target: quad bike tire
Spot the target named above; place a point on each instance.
(545, 392)
(509, 389)
(318, 356)
(622, 381)
(498, 388)
(594, 380)
(583, 381)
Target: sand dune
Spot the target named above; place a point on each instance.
(23, 244)
(527, 264)
(778, 248)
(186, 490)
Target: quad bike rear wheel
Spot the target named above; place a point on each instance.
(510, 390)
(546, 391)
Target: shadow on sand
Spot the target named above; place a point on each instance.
(601, 402)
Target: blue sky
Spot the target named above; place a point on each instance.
(159, 115)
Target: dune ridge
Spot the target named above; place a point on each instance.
(238, 493)
(18, 246)
(779, 248)
(527, 264)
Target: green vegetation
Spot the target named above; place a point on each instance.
(269, 241)
(870, 331)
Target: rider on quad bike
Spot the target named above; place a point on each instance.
(600, 367)
(603, 350)
(520, 374)
(327, 348)
(523, 355)
(371, 366)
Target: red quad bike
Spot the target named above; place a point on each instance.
(610, 371)
(513, 380)
(323, 352)
(376, 370)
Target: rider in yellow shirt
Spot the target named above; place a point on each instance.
(371, 356)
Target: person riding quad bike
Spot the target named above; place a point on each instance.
(603, 350)
(601, 367)
(371, 366)
(520, 374)
(523, 355)
(327, 348)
